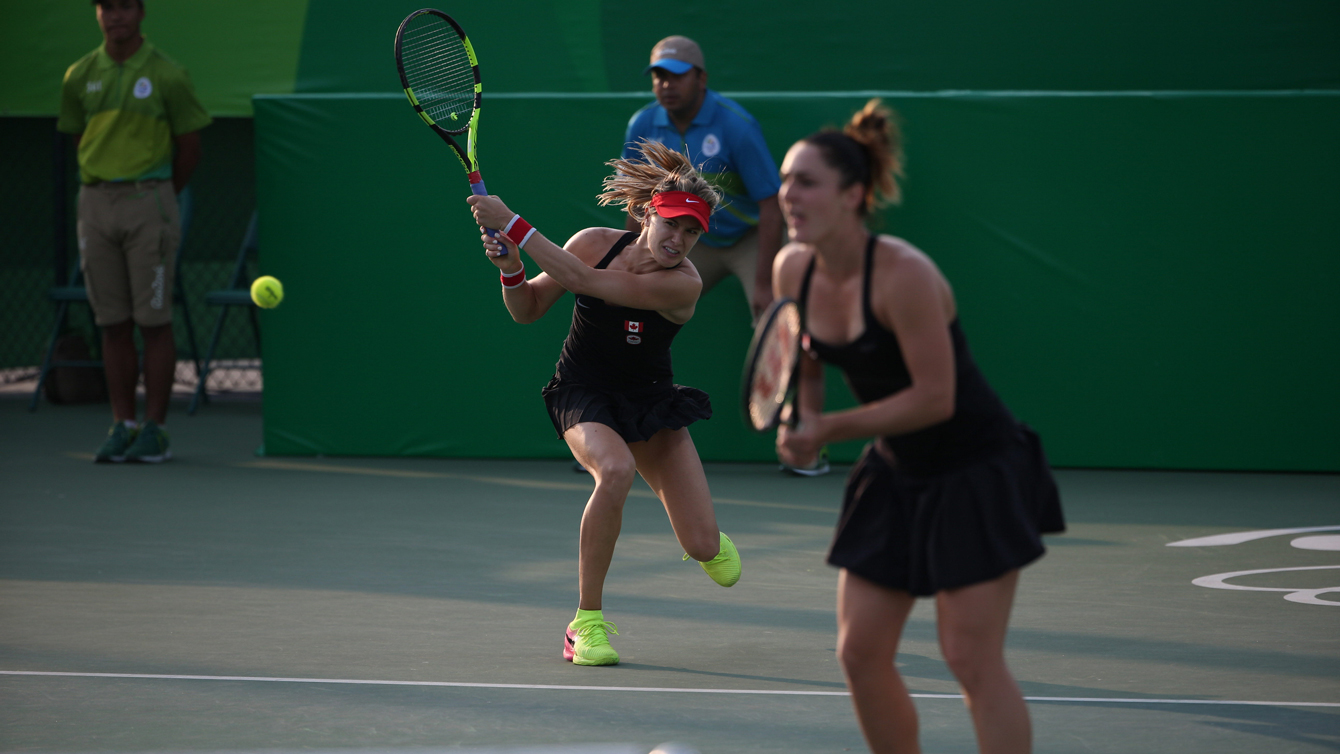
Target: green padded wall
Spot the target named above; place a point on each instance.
(789, 45)
(1146, 265)
(1148, 280)
(244, 47)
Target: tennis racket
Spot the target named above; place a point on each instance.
(772, 367)
(440, 75)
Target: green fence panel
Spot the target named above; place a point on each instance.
(236, 49)
(1148, 280)
(766, 45)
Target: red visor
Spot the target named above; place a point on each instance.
(679, 203)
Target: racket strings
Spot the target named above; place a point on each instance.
(436, 50)
(443, 69)
(774, 368)
(429, 44)
(438, 70)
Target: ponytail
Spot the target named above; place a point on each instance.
(868, 151)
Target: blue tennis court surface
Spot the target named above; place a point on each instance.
(225, 602)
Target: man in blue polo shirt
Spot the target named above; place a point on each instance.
(726, 144)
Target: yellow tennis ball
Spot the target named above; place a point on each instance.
(267, 292)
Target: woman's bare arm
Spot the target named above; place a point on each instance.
(673, 292)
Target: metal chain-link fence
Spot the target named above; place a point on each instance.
(37, 206)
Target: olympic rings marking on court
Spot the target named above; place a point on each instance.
(1329, 543)
(1239, 537)
(1301, 596)
(1326, 543)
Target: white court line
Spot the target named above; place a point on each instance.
(547, 687)
(583, 487)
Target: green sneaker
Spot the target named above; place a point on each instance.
(587, 641)
(150, 446)
(725, 567)
(113, 449)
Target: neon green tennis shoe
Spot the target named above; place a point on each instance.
(587, 641)
(725, 567)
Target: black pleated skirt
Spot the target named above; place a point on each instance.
(922, 534)
(635, 415)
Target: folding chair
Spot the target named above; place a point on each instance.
(75, 293)
(238, 293)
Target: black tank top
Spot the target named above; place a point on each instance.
(874, 368)
(615, 347)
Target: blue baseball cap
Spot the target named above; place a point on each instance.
(677, 55)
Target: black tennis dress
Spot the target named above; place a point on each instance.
(615, 370)
(953, 504)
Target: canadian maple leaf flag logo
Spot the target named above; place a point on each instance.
(632, 326)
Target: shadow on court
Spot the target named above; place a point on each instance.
(234, 603)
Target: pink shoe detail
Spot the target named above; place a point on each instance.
(569, 639)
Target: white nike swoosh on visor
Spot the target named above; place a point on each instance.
(691, 201)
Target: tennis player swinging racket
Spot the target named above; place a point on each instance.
(613, 398)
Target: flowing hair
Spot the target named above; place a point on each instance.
(634, 182)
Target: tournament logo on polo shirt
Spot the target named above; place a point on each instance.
(711, 145)
(143, 87)
(633, 327)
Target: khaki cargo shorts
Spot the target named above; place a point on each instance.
(128, 234)
(741, 260)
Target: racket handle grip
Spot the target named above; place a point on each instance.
(477, 188)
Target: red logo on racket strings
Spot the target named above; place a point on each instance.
(772, 369)
(633, 327)
(765, 387)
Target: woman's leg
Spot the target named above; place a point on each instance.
(972, 622)
(605, 454)
(670, 464)
(870, 623)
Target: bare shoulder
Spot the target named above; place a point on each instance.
(899, 262)
(591, 245)
(789, 267)
(910, 276)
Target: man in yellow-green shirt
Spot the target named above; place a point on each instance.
(136, 124)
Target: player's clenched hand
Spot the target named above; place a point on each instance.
(799, 445)
(501, 252)
(490, 211)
